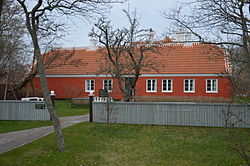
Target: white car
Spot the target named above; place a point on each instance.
(32, 99)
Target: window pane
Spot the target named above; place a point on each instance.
(186, 85)
(88, 84)
(105, 84)
(214, 85)
(149, 85)
(164, 88)
(169, 85)
(208, 85)
(153, 85)
(189, 85)
(110, 85)
(92, 84)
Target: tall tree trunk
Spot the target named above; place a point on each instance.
(13, 92)
(32, 23)
(6, 88)
(1, 8)
(53, 114)
(46, 93)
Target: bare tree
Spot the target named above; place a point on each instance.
(41, 21)
(1, 7)
(227, 24)
(109, 111)
(12, 42)
(72, 91)
(220, 22)
(125, 52)
(13, 47)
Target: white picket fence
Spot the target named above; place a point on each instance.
(102, 99)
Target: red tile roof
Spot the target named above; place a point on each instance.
(171, 59)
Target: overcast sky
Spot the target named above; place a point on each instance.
(150, 13)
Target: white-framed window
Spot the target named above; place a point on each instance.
(189, 85)
(167, 85)
(212, 85)
(89, 85)
(108, 84)
(151, 85)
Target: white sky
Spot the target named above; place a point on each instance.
(150, 13)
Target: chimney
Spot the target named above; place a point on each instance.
(181, 36)
(151, 35)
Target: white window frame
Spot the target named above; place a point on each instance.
(189, 91)
(103, 84)
(87, 85)
(171, 86)
(216, 86)
(151, 85)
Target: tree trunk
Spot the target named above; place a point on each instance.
(6, 88)
(32, 25)
(27, 79)
(13, 92)
(1, 7)
(53, 114)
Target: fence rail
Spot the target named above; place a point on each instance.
(23, 110)
(188, 114)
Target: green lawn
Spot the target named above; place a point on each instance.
(91, 144)
(8, 125)
(64, 108)
(239, 99)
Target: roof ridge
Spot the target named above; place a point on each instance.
(181, 44)
(79, 48)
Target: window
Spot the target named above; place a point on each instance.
(167, 85)
(107, 84)
(151, 85)
(189, 85)
(212, 86)
(89, 85)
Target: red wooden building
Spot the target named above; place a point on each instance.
(184, 71)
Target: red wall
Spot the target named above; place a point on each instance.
(224, 87)
(75, 87)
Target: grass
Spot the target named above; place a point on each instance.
(91, 144)
(64, 108)
(240, 99)
(8, 126)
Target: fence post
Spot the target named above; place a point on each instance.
(91, 96)
(52, 96)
